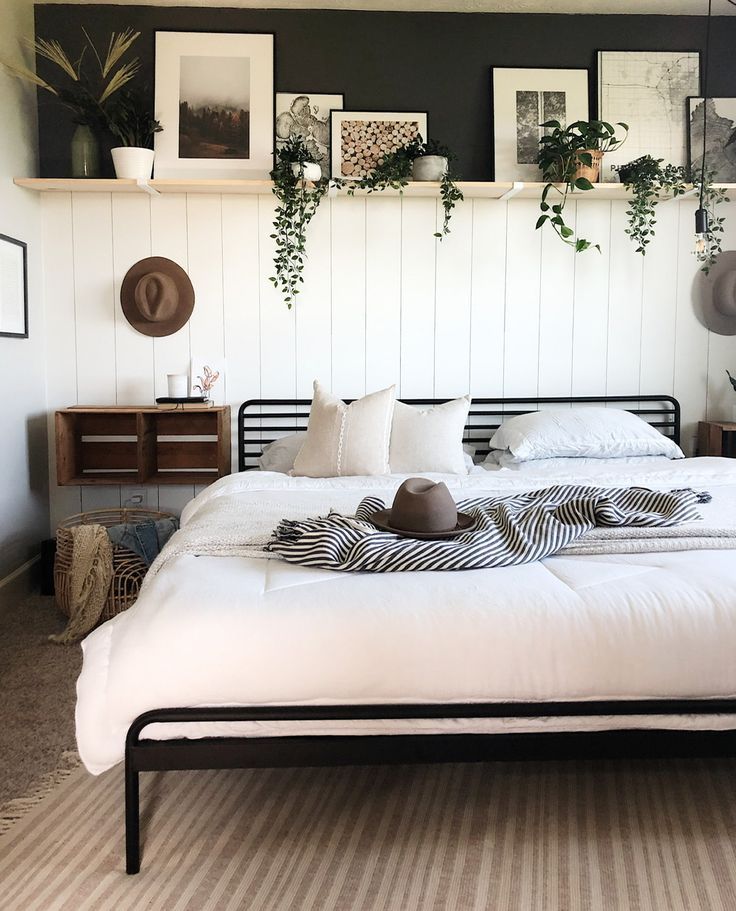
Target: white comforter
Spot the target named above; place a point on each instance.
(241, 630)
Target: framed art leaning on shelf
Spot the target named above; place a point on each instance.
(215, 99)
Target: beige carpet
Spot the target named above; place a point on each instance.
(659, 836)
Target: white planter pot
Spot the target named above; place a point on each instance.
(312, 171)
(429, 167)
(132, 163)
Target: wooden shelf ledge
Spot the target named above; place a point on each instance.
(471, 189)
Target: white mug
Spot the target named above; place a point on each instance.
(178, 385)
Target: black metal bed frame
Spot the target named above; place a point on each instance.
(260, 421)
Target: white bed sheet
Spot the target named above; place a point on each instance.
(244, 631)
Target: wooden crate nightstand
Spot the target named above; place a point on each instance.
(146, 445)
(717, 438)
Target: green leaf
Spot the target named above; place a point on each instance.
(582, 183)
(566, 232)
(541, 220)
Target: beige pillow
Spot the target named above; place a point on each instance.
(429, 439)
(346, 439)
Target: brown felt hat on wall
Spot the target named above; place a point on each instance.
(716, 297)
(157, 296)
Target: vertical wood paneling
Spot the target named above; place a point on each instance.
(497, 305)
(691, 337)
(131, 238)
(382, 292)
(488, 297)
(61, 359)
(722, 348)
(624, 308)
(418, 251)
(590, 329)
(521, 354)
(207, 325)
(94, 301)
(278, 324)
(314, 309)
(241, 310)
(453, 305)
(556, 303)
(348, 296)
(658, 322)
(171, 354)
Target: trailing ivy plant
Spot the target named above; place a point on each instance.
(395, 170)
(562, 151)
(712, 197)
(648, 179)
(298, 204)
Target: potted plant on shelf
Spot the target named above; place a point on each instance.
(420, 161)
(130, 122)
(298, 200)
(87, 95)
(571, 157)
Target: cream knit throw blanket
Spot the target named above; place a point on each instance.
(89, 580)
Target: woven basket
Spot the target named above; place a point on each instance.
(128, 570)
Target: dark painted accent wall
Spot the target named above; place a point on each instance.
(435, 62)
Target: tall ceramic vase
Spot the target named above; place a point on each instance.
(85, 152)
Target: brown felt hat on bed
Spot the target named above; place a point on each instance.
(423, 509)
(157, 296)
(716, 297)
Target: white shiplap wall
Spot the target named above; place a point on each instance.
(497, 307)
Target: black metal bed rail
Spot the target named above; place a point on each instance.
(145, 755)
(256, 428)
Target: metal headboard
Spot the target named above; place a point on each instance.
(261, 421)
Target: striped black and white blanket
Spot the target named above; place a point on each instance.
(508, 530)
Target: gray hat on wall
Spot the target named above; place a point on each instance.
(715, 296)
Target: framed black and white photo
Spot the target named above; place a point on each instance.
(307, 115)
(647, 90)
(524, 99)
(361, 139)
(13, 288)
(720, 155)
(215, 101)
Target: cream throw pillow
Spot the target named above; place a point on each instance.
(429, 439)
(346, 439)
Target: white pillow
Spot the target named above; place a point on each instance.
(346, 439)
(599, 433)
(429, 439)
(280, 455)
(502, 458)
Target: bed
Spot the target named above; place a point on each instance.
(237, 661)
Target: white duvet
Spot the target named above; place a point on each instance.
(246, 631)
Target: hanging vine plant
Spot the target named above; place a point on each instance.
(299, 201)
(649, 179)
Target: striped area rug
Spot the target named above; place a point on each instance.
(563, 836)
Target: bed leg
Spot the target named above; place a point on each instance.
(132, 820)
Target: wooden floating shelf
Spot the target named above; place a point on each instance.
(146, 445)
(471, 189)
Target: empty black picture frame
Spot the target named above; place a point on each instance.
(22, 293)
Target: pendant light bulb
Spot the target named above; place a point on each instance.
(702, 230)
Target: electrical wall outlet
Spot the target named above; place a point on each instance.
(133, 496)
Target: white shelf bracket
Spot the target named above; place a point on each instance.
(147, 188)
(516, 187)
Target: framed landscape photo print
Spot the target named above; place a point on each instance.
(13, 288)
(648, 90)
(720, 157)
(307, 115)
(361, 139)
(215, 101)
(523, 99)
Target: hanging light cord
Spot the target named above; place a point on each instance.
(705, 98)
